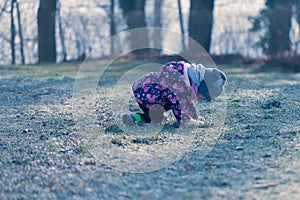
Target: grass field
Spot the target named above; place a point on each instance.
(61, 137)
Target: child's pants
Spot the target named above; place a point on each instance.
(154, 115)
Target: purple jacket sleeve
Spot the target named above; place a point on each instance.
(179, 94)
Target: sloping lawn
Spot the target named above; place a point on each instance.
(58, 140)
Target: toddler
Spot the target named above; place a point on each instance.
(174, 88)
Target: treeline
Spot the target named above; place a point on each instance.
(61, 35)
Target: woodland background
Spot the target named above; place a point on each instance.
(35, 31)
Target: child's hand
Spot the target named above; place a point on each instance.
(201, 118)
(196, 122)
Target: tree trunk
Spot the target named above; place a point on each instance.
(112, 27)
(46, 31)
(297, 12)
(3, 7)
(12, 33)
(280, 13)
(134, 13)
(61, 33)
(200, 22)
(157, 39)
(181, 25)
(20, 33)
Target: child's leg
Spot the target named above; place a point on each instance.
(145, 116)
(154, 115)
(137, 118)
(147, 97)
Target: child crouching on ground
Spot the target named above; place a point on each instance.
(174, 88)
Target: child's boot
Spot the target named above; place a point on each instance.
(132, 119)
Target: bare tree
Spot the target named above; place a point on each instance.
(12, 33)
(83, 45)
(279, 14)
(3, 7)
(20, 33)
(297, 10)
(134, 13)
(46, 31)
(157, 37)
(112, 27)
(181, 25)
(201, 21)
(61, 32)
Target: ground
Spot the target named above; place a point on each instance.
(45, 142)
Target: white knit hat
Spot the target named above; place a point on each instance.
(215, 80)
(210, 81)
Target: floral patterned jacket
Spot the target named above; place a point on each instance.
(170, 88)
